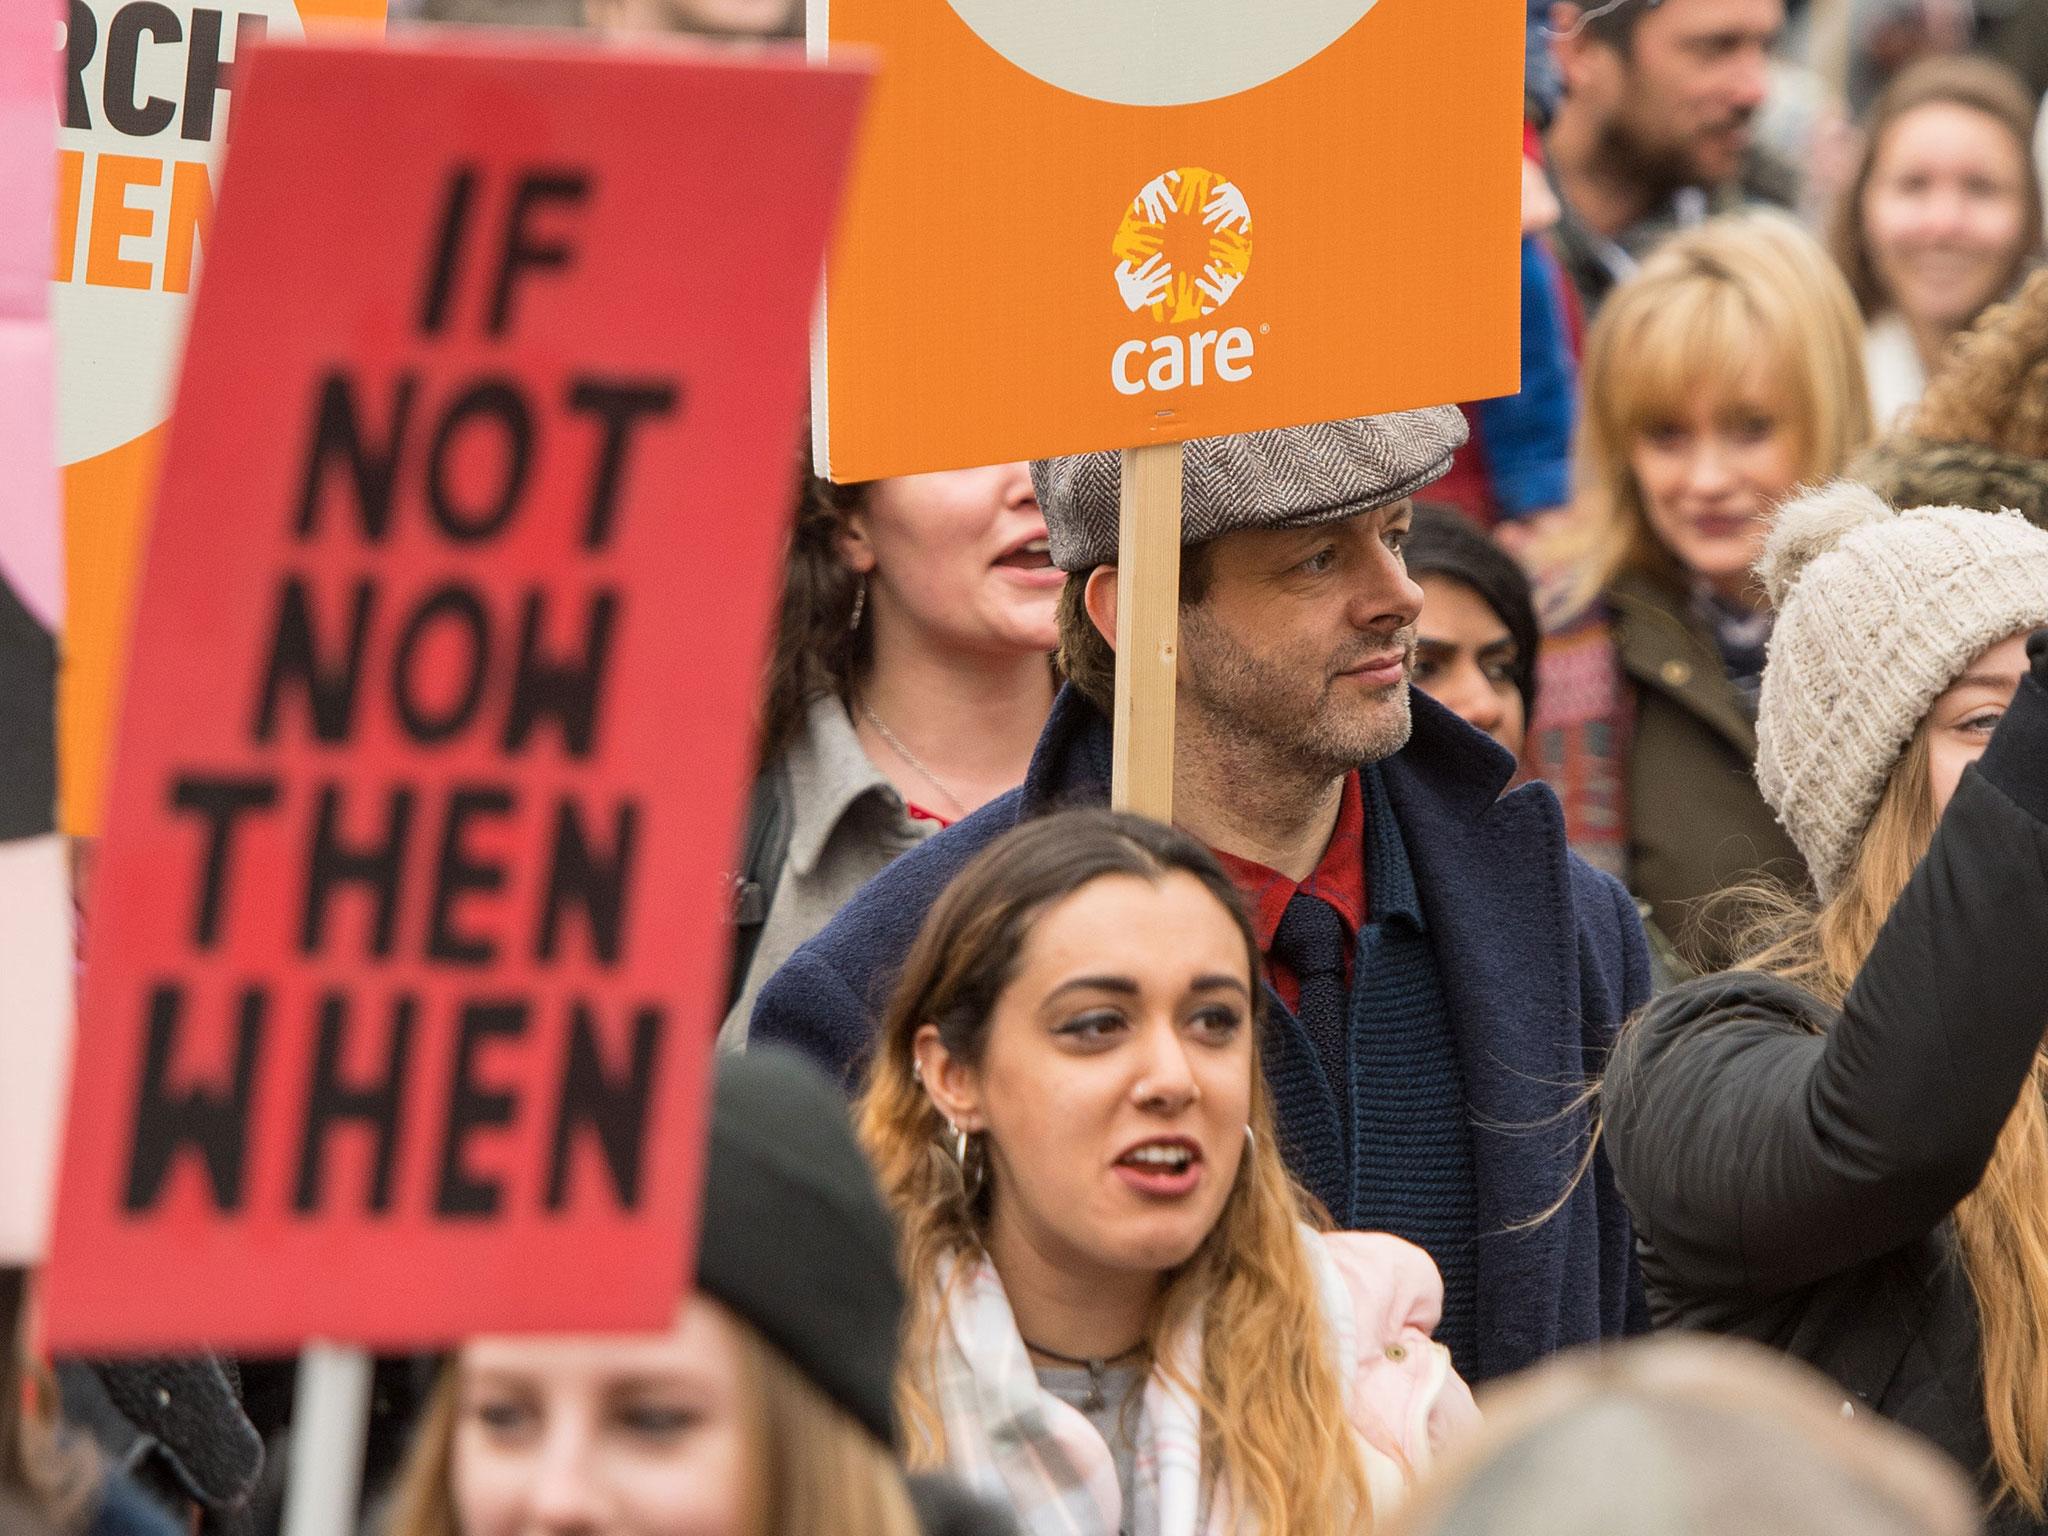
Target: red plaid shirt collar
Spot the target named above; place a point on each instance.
(1339, 879)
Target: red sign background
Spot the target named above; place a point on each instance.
(557, 304)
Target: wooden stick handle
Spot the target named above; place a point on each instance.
(1147, 630)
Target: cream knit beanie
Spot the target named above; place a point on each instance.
(1878, 613)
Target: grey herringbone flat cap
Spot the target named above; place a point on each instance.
(1291, 477)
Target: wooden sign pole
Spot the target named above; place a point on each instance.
(1147, 630)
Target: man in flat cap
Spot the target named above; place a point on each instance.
(1443, 975)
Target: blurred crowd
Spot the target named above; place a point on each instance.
(1668, 961)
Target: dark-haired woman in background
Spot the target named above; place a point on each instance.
(911, 677)
(1475, 644)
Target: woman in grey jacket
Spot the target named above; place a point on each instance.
(1842, 1151)
(911, 676)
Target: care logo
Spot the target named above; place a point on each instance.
(1183, 248)
(1184, 245)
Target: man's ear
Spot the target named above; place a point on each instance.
(1569, 44)
(953, 1087)
(1099, 598)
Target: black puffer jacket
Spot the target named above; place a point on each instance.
(1793, 1170)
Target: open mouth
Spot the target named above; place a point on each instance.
(1173, 1159)
(1031, 555)
(1161, 1169)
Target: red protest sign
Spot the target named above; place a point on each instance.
(407, 940)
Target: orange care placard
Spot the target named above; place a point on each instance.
(146, 94)
(408, 931)
(1083, 224)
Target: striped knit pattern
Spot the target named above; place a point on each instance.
(1288, 477)
(1412, 1172)
(1879, 612)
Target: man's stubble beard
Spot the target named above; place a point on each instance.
(1662, 167)
(1659, 169)
(1257, 706)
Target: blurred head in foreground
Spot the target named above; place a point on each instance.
(1686, 1436)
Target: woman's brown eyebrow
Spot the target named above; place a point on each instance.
(643, 1381)
(1123, 986)
(1987, 680)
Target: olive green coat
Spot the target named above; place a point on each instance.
(1697, 822)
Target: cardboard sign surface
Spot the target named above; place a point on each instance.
(35, 898)
(407, 936)
(1073, 227)
(147, 94)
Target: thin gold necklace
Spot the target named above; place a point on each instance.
(910, 757)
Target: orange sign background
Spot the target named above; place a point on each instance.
(973, 311)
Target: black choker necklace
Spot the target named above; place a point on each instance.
(1095, 1368)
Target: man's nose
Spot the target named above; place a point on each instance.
(1391, 598)
(1756, 75)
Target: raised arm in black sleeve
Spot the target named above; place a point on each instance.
(1758, 1155)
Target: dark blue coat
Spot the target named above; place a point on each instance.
(1540, 956)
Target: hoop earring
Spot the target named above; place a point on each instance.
(1251, 1140)
(860, 605)
(963, 1147)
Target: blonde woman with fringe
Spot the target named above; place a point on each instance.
(1720, 377)
(1841, 1150)
(1123, 1316)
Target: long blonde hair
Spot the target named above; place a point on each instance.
(1697, 320)
(2001, 1226)
(1274, 1429)
(813, 1467)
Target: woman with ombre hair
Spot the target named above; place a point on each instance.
(1724, 374)
(1123, 1316)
